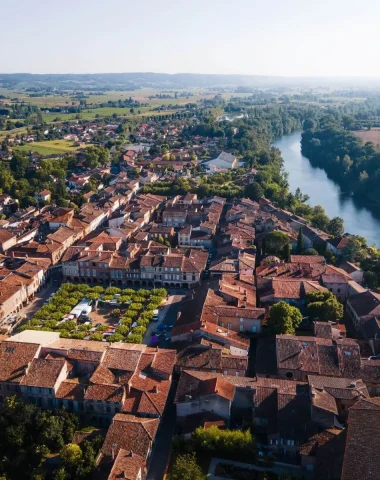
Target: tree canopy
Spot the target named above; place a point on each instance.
(284, 318)
(323, 306)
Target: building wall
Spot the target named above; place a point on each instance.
(209, 403)
(8, 244)
(13, 303)
(353, 315)
(322, 417)
(340, 290)
(240, 324)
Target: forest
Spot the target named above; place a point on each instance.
(355, 166)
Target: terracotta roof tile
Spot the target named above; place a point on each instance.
(43, 373)
(14, 359)
(130, 433)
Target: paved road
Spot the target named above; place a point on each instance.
(167, 316)
(39, 300)
(163, 441)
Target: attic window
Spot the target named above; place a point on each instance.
(10, 349)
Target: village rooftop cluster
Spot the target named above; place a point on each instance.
(307, 395)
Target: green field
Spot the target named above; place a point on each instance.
(51, 147)
(90, 114)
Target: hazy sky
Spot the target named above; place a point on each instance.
(267, 37)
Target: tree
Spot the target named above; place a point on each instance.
(61, 474)
(300, 242)
(310, 251)
(186, 468)
(97, 337)
(116, 337)
(309, 124)
(275, 242)
(286, 252)
(71, 454)
(353, 250)
(319, 218)
(284, 318)
(254, 191)
(324, 306)
(336, 227)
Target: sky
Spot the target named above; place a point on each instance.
(266, 37)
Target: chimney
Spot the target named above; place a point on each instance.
(114, 445)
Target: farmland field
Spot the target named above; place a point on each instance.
(90, 114)
(372, 135)
(49, 148)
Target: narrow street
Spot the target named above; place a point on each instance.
(39, 300)
(167, 316)
(163, 441)
(164, 437)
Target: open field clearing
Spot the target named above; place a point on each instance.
(141, 95)
(372, 135)
(49, 148)
(90, 114)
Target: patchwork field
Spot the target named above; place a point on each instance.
(372, 135)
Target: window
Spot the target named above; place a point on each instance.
(222, 324)
(241, 329)
(236, 374)
(338, 290)
(289, 375)
(254, 329)
(241, 320)
(229, 326)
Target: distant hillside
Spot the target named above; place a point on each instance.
(131, 80)
(123, 81)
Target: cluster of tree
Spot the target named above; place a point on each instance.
(352, 164)
(138, 306)
(221, 184)
(79, 461)
(29, 435)
(234, 444)
(323, 306)
(21, 180)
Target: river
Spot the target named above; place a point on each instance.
(358, 219)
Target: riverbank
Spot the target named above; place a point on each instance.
(322, 190)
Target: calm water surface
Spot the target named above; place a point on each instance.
(358, 219)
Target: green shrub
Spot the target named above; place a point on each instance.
(112, 291)
(116, 337)
(96, 337)
(135, 338)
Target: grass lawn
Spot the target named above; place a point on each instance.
(49, 148)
